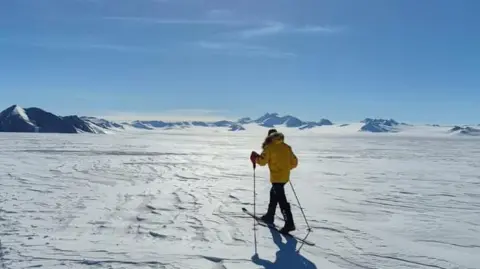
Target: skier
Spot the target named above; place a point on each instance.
(280, 159)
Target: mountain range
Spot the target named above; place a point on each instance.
(18, 119)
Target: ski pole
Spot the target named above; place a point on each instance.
(254, 210)
(301, 208)
(303, 241)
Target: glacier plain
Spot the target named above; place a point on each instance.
(173, 199)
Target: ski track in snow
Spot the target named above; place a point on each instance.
(174, 201)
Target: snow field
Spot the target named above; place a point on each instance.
(173, 200)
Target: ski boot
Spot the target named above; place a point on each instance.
(269, 217)
(289, 223)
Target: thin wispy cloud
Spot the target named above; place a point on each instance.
(239, 49)
(276, 28)
(268, 29)
(319, 29)
(178, 21)
(236, 30)
(120, 1)
(224, 17)
(92, 46)
(220, 13)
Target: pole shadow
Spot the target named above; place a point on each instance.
(286, 257)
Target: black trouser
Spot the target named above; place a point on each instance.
(277, 195)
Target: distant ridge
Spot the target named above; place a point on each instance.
(465, 130)
(268, 120)
(379, 125)
(18, 119)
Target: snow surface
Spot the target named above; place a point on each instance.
(173, 199)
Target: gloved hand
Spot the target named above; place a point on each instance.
(253, 157)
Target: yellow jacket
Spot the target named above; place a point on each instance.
(280, 158)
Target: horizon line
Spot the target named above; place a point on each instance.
(206, 115)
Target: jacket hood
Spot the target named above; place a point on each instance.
(277, 136)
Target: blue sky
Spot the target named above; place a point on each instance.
(415, 61)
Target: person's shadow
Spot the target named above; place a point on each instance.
(287, 256)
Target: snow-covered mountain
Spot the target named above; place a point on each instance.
(151, 125)
(271, 120)
(14, 119)
(465, 130)
(17, 119)
(102, 123)
(379, 125)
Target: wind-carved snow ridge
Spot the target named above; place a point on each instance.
(2, 261)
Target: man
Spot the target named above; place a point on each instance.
(280, 159)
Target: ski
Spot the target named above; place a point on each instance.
(261, 222)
